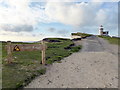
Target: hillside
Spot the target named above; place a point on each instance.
(83, 35)
(27, 65)
(112, 40)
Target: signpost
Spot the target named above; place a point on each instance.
(9, 52)
(25, 47)
(43, 53)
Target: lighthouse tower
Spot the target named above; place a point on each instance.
(101, 30)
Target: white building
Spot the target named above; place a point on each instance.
(102, 32)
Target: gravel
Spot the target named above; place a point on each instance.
(95, 66)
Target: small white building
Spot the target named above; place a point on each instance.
(102, 32)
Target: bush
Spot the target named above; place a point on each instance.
(76, 49)
(42, 71)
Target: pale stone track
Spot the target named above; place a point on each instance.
(95, 66)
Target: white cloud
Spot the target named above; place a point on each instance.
(74, 0)
(20, 36)
(79, 14)
(18, 16)
(101, 17)
(14, 13)
(104, 0)
(67, 14)
(82, 15)
(17, 13)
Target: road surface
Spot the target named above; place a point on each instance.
(95, 66)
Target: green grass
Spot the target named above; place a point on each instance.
(111, 40)
(0, 65)
(26, 65)
(56, 50)
(82, 34)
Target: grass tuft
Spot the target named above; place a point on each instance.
(111, 40)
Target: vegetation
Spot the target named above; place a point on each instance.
(26, 65)
(0, 65)
(82, 34)
(112, 40)
(56, 50)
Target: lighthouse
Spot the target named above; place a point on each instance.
(102, 32)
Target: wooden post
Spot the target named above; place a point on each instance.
(9, 52)
(43, 53)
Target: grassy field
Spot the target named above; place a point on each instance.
(0, 65)
(82, 34)
(26, 65)
(112, 40)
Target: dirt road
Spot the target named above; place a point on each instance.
(95, 66)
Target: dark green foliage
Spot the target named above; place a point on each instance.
(76, 49)
(41, 71)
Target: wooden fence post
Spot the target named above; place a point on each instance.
(9, 52)
(43, 53)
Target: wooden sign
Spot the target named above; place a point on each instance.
(25, 47)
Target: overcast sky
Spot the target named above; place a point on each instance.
(28, 20)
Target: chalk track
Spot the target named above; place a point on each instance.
(95, 66)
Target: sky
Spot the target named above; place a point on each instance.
(33, 20)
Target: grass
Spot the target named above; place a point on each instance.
(26, 65)
(111, 40)
(82, 34)
(0, 65)
(56, 50)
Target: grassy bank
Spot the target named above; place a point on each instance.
(112, 40)
(26, 65)
(82, 34)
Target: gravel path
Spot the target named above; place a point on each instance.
(95, 66)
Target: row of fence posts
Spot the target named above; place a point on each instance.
(10, 57)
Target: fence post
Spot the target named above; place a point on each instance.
(9, 52)
(43, 53)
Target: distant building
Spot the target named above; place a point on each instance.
(102, 32)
